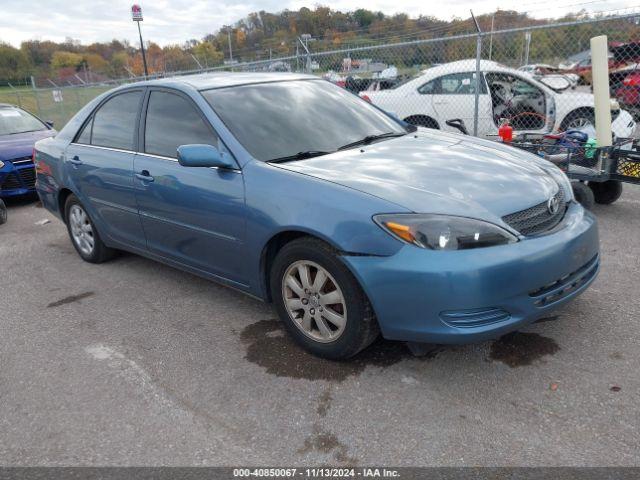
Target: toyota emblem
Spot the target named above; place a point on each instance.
(553, 205)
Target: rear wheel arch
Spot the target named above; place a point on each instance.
(587, 112)
(422, 121)
(63, 194)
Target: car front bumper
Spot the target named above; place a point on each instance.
(17, 179)
(624, 125)
(473, 295)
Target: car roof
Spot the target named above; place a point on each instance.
(7, 105)
(468, 65)
(206, 81)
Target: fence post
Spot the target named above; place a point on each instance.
(478, 84)
(35, 94)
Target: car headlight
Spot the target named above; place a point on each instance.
(561, 179)
(444, 232)
(1, 164)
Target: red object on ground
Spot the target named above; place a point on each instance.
(506, 132)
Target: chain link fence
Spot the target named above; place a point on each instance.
(536, 78)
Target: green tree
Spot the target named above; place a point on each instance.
(63, 59)
(207, 54)
(14, 63)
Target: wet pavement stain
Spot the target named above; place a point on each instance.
(270, 346)
(518, 349)
(326, 442)
(70, 299)
(324, 403)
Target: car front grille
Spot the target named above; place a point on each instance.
(561, 288)
(537, 219)
(28, 177)
(22, 161)
(10, 182)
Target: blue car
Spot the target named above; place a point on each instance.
(297, 192)
(19, 131)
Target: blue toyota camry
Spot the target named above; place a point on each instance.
(19, 131)
(297, 192)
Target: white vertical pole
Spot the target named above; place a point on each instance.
(600, 70)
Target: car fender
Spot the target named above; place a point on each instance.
(336, 214)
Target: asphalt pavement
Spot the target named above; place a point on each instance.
(134, 363)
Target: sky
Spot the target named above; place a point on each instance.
(175, 21)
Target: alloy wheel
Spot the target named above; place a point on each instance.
(579, 122)
(81, 229)
(314, 301)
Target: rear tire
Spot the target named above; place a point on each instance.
(311, 289)
(583, 195)
(577, 119)
(83, 233)
(607, 192)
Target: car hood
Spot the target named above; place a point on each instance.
(20, 145)
(437, 172)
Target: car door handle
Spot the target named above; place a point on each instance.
(144, 176)
(440, 102)
(75, 160)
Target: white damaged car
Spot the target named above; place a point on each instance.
(447, 92)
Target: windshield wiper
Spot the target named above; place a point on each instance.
(299, 156)
(371, 138)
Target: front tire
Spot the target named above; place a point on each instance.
(320, 302)
(607, 192)
(83, 233)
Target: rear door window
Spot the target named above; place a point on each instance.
(460, 84)
(114, 123)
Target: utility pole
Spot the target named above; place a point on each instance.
(228, 27)
(527, 44)
(305, 44)
(136, 16)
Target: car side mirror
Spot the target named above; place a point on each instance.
(197, 155)
(49, 123)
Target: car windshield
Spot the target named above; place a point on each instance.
(282, 119)
(14, 120)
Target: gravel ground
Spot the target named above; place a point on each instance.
(135, 363)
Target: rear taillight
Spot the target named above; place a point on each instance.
(366, 98)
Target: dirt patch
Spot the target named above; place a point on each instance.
(518, 349)
(70, 299)
(269, 346)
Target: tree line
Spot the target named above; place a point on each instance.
(263, 35)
